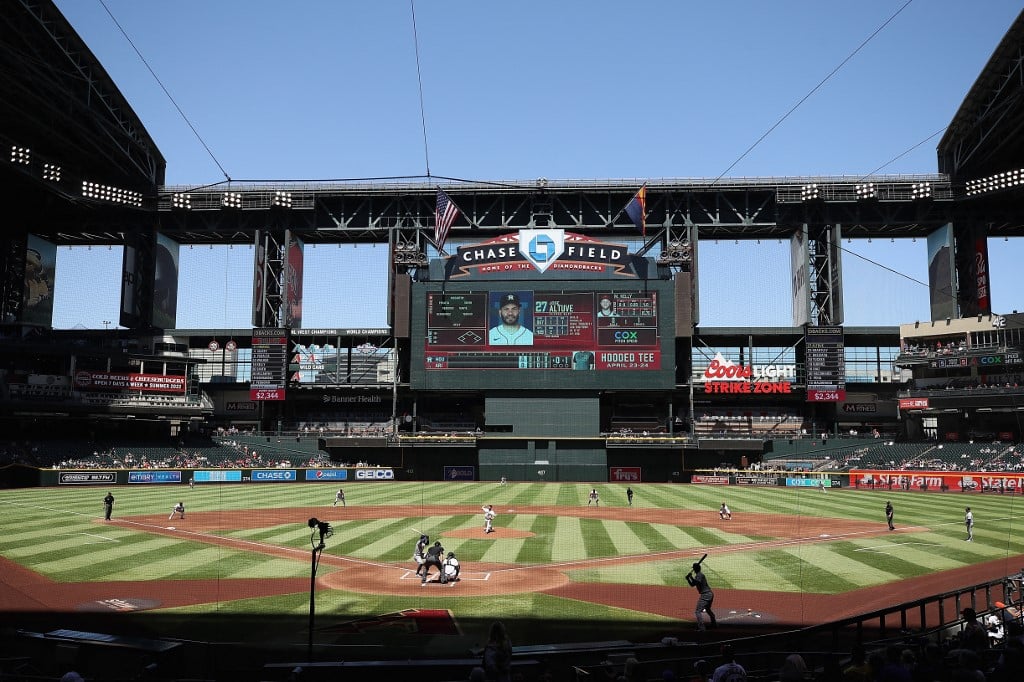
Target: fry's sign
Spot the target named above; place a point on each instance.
(725, 376)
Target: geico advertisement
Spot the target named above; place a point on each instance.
(374, 475)
(273, 475)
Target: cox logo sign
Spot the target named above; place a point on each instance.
(626, 336)
(375, 474)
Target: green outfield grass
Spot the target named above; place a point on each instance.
(59, 534)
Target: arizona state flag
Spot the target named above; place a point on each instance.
(636, 209)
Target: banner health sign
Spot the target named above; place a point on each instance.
(326, 474)
(154, 477)
(220, 475)
(274, 475)
(465, 473)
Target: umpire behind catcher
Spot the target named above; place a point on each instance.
(434, 557)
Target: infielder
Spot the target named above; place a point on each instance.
(339, 497)
(178, 509)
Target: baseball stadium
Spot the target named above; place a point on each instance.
(542, 404)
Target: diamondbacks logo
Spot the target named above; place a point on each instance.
(541, 247)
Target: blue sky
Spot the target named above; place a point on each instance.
(578, 89)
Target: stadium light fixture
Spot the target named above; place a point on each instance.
(996, 182)
(116, 195)
(809, 192)
(51, 172)
(921, 190)
(21, 155)
(181, 201)
(281, 199)
(231, 200)
(866, 190)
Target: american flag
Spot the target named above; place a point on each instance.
(444, 215)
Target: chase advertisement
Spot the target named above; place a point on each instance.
(274, 475)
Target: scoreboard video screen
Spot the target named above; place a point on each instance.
(527, 335)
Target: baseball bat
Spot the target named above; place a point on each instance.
(703, 558)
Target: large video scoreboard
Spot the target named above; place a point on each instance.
(517, 334)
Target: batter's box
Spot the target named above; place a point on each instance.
(464, 576)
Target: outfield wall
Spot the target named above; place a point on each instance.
(628, 474)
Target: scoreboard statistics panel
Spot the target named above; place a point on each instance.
(561, 335)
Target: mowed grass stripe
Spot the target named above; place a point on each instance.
(53, 553)
(651, 536)
(350, 536)
(541, 545)
(130, 566)
(624, 539)
(597, 540)
(570, 545)
(820, 569)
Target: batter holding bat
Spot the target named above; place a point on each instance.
(706, 598)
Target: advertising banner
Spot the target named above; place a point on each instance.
(293, 283)
(40, 279)
(218, 476)
(460, 473)
(86, 477)
(374, 475)
(710, 480)
(326, 474)
(154, 477)
(942, 273)
(133, 278)
(624, 474)
(118, 381)
(799, 257)
(808, 482)
(165, 282)
(913, 403)
(755, 480)
(936, 480)
(273, 475)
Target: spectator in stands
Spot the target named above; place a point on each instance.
(497, 658)
(793, 669)
(730, 670)
(973, 636)
(631, 671)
